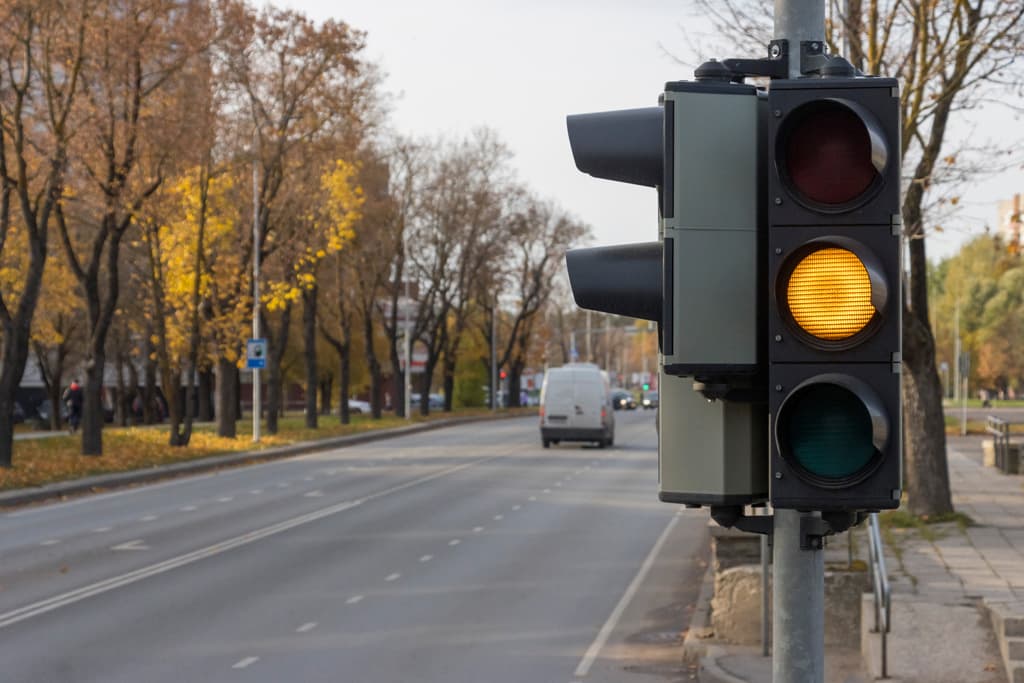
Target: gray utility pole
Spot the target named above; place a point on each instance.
(798, 591)
(257, 408)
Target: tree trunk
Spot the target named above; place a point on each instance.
(449, 384)
(926, 466)
(373, 366)
(278, 343)
(345, 361)
(309, 342)
(92, 405)
(15, 355)
(149, 397)
(205, 390)
(326, 385)
(227, 398)
(120, 415)
(399, 383)
(176, 408)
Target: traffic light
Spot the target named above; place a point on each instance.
(702, 281)
(834, 269)
(646, 386)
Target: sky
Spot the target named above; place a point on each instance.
(520, 66)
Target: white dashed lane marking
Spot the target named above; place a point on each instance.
(547, 491)
(188, 508)
(137, 544)
(354, 599)
(516, 507)
(532, 498)
(477, 529)
(256, 492)
(308, 626)
(498, 518)
(225, 499)
(313, 494)
(50, 541)
(148, 518)
(241, 664)
(454, 541)
(426, 558)
(392, 577)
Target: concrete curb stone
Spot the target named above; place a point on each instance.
(113, 480)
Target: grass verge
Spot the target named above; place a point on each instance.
(58, 458)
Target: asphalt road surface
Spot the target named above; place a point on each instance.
(464, 555)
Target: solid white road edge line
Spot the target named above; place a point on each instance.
(627, 597)
(48, 605)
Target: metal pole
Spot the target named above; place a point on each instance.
(408, 332)
(765, 584)
(798, 618)
(494, 357)
(590, 355)
(607, 343)
(798, 594)
(956, 353)
(257, 406)
(798, 21)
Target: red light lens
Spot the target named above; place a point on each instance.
(828, 154)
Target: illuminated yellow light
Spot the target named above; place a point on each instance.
(829, 294)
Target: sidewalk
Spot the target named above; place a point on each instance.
(946, 578)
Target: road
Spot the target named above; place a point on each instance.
(466, 554)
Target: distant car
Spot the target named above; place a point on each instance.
(650, 400)
(43, 411)
(623, 400)
(358, 407)
(435, 401)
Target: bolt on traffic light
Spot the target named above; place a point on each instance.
(834, 258)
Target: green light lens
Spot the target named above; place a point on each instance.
(828, 431)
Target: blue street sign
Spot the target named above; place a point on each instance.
(256, 354)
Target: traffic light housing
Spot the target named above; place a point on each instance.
(701, 282)
(834, 264)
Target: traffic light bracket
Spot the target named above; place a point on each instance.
(813, 530)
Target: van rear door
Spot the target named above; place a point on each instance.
(559, 400)
(589, 400)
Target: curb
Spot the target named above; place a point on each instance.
(711, 672)
(115, 480)
(695, 644)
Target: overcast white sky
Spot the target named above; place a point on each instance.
(519, 66)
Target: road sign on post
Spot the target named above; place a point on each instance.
(256, 354)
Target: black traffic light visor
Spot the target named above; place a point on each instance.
(624, 280)
(625, 145)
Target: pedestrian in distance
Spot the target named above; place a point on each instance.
(73, 400)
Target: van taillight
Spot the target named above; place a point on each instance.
(542, 412)
(604, 413)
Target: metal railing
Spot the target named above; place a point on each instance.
(880, 587)
(1000, 431)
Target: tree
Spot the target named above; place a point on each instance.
(948, 56)
(42, 52)
(134, 119)
(293, 76)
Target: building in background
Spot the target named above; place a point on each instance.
(1009, 211)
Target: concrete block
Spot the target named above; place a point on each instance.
(736, 605)
(731, 548)
(988, 453)
(1015, 649)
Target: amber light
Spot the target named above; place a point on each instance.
(829, 294)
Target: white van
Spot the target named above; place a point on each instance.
(576, 405)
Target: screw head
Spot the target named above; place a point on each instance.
(778, 387)
(815, 46)
(778, 475)
(775, 51)
(777, 113)
(778, 251)
(778, 337)
(778, 201)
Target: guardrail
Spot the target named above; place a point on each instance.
(1000, 431)
(880, 587)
